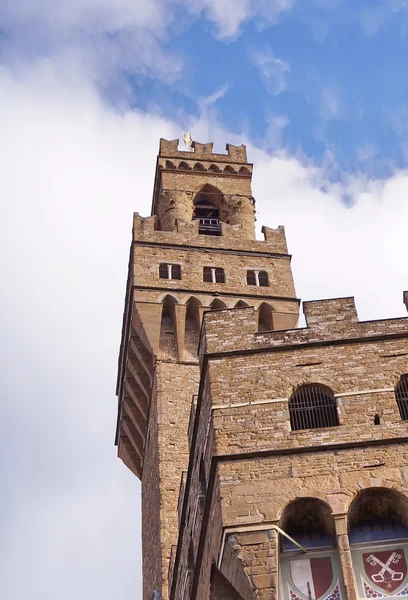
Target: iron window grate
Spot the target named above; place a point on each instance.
(313, 406)
(401, 394)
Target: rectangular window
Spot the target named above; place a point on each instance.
(169, 271)
(213, 275)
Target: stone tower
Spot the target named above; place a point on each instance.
(197, 252)
(273, 459)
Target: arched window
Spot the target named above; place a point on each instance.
(401, 394)
(258, 278)
(214, 275)
(378, 533)
(312, 406)
(265, 321)
(312, 570)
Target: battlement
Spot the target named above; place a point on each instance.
(170, 148)
(328, 321)
(187, 233)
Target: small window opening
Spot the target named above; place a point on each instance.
(313, 406)
(169, 271)
(258, 278)
(377, 420)
(213, 275)
(401, 395)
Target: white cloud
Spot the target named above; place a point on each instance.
(273, 70)
(73, 171)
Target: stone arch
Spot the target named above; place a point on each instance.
(265, 317)
(229, 169)
(174, 298)
(307, 516)
(170, 164)
(244, 171)
(198, 167)
(209, 194)
(242, 304)
(376, 505)
(214, 168)
(217, 304)
(168, 337)
(192, 327)
(184, 165)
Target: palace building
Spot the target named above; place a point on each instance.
(273, 458)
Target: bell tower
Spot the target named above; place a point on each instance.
(197, 252)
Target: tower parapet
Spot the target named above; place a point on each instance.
(217, 191)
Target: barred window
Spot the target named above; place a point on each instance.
(213, 275)
(169, 271)
(258, 278)
(401, 394)
(313, 406)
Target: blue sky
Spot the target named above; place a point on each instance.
(326, 79)
(316, 89)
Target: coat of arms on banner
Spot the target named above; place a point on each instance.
(386, 570)
(313, 577)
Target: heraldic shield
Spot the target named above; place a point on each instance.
(311, 578)
(383, 572)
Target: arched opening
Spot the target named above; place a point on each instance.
(265, 317)
(312, 571)
(198, 167)
(214, 168)
(168, 341)
(229, 169)
(401, 395)
(217, 304)
(170, 165)
(184, 165)
(378, 533)
(244, 171)
(192, 328)
(308, 521)
(313, 406)
(241, 304)
(207, 203)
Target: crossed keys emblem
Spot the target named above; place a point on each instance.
(379, 577)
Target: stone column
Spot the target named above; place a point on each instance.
(239, 210)
(343, 545)
(174, 205)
